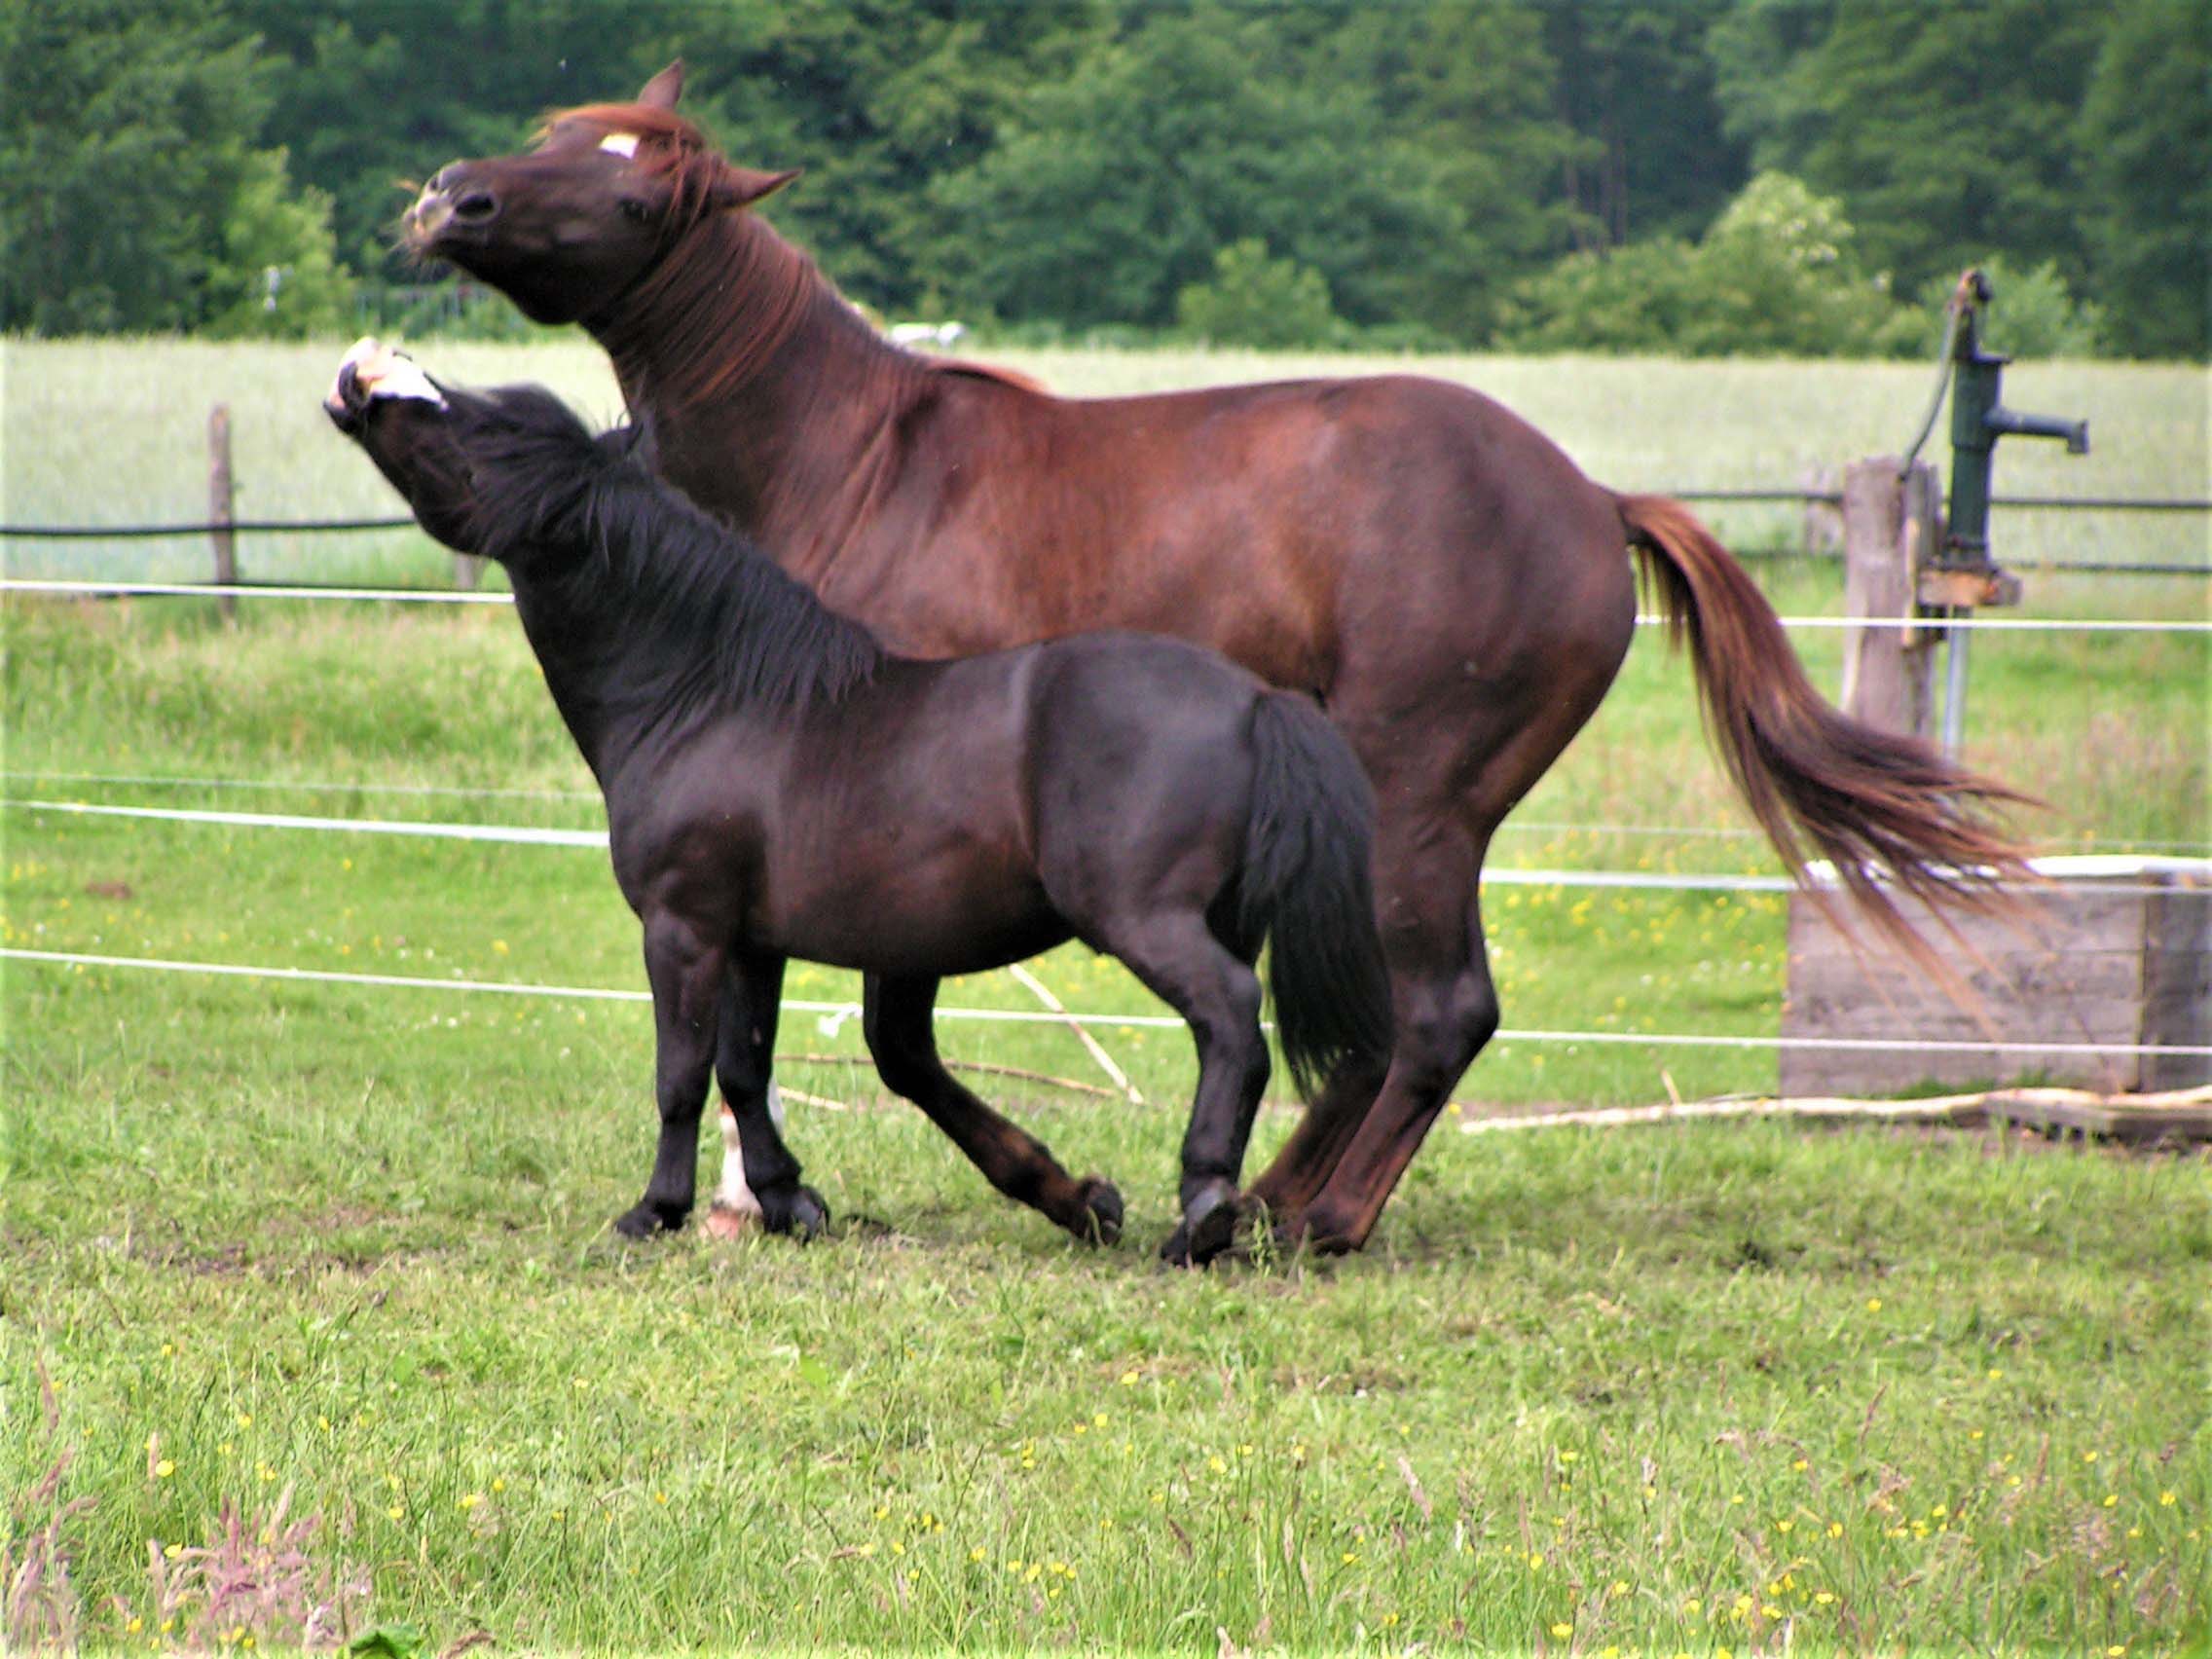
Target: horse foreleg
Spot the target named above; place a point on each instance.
(895, 1016)
(759, 1177)
(686, 976)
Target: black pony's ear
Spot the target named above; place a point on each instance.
(664, 89)
(741, 187)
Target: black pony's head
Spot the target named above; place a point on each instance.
(607, 558)
(503, 474)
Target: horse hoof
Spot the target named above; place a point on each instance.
(1208, 1228)
(645, 1221)
(1314, 1232)
(801, 1213)
(1101, 1220)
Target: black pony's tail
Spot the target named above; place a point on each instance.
(1309, 847)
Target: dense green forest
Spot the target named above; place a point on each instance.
(1704, 176)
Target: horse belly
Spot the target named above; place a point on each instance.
(903, 847)
(890, 900)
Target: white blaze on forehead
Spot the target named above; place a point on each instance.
(620, 143)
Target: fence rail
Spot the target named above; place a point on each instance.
(2104, 866)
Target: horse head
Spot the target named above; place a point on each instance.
(567, 226)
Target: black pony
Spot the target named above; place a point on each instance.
(778, 784)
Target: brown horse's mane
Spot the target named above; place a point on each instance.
(729, 290)
(702, 321)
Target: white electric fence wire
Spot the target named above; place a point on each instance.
(519, 833)
(297, 785)
(2106, 866)
(1024, 1017)
(253, 590)
(328, 786)
(446, 595)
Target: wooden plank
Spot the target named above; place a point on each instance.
(2070, 921)
(2123, 960)
(2139, 1120)
(2177, 986)
(1897, 1071)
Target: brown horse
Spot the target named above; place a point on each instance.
(1429, 565)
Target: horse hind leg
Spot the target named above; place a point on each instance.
(1446, 1010)
(897, 1019)
(1304, 1162)
(1429, 872)
(1187, 966)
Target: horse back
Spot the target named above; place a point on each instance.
(1262, 521)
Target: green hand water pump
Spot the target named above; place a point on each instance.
(1964, 576)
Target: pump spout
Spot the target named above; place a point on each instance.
(2001, 420)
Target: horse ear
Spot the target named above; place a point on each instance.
(742, 186)
(664, 89)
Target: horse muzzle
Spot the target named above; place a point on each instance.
(449, 202)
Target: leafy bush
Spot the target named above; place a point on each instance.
(1255, 299)
(1774, 275)
(278, 266)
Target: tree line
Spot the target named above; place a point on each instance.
(1794, 176)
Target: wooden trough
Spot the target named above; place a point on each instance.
(2117, 953)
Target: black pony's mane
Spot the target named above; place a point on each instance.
(679, 608)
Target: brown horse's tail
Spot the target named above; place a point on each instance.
(1889, 812)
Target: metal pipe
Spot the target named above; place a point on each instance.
(1954, 686)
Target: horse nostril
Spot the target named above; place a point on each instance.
(476, 207)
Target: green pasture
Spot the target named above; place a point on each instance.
(341, 1250)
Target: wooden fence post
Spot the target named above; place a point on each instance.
(219, 515)
(1889, 528)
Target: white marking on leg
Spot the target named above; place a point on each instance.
(731, 1193)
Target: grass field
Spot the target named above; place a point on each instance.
(114, 431)
(1751, 1388)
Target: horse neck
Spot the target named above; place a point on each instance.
(578, 670)
(760, 383)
